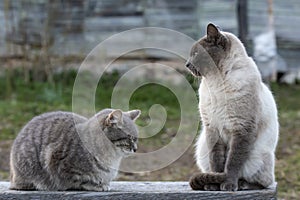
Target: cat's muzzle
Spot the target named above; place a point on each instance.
(192, 68)
(188, 64)
(134, 147)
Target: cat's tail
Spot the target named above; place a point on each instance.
(198, 181)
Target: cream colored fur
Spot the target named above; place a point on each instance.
(218, 92)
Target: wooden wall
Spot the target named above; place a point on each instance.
(75, 27)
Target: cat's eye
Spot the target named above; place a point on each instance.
(196, 53)
(132, 138)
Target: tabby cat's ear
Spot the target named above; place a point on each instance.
(114, 118)
(134, 114)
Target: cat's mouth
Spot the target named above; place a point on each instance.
(192, 69)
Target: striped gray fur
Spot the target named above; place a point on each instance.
(66, 151)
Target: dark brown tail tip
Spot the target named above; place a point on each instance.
(195, 184)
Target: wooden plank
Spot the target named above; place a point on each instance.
(139, 190)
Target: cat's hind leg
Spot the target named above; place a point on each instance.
(18, 183)
(22, 186)
(262, 174)
(244, 185)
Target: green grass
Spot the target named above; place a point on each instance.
(30, 99)
(34, 98)
(288, 150)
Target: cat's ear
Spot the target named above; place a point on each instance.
(213, 32)
(114, 118)
(134, 114)
(214, 35)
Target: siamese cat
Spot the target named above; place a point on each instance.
(236, 147)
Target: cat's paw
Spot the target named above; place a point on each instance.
(229, 186)
(96, 188)
(102, 188)
(105, 188)
(212, 187)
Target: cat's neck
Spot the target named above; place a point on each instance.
(97, 144)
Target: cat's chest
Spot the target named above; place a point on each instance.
(212, 105)
(214, 108)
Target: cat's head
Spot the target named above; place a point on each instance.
(119, 127)
(207, 52)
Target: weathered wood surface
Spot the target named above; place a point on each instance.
(138, 190)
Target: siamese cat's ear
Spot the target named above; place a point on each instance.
(213, 32)
(134, 114)
(214, 35)
(114, 118)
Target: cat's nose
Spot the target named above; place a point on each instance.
(134, 148)
(187, 64)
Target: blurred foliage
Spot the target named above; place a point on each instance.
(288, 150)
(30, 99)
(27, 100)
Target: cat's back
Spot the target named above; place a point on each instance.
(57, 117)
(46, 128)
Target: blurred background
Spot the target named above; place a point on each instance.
(44, 42)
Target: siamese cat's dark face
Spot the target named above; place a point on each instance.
(206, 53)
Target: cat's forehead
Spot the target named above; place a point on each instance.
(198, 45)
(195, 47)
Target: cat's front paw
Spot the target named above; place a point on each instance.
(105, 188)
(229, 186)
(96, 188)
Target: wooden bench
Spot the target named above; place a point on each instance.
(137, 190)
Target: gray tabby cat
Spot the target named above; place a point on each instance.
(240, 128)
(65, 151)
